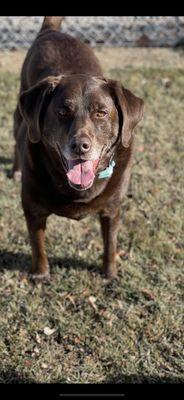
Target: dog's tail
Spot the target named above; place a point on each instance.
(52, 23)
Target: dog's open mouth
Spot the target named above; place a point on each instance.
(80, 173)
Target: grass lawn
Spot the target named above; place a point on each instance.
(79, 328)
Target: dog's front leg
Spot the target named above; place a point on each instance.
(109, 227)
(36, 227)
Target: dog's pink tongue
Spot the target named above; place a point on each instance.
(81, 172)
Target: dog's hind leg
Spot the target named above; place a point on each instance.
(15, 173)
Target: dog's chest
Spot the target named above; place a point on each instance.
(76, 209)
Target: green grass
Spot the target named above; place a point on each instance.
(132, 330)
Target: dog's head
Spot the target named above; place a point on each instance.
(79, 119)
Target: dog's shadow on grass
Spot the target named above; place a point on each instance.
(141, 379)
(5, 160)
(12, 377)
(22, 262)
(6, 166)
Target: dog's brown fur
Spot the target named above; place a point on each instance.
(58, 67)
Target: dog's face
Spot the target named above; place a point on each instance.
(79, 120)
(81, 123)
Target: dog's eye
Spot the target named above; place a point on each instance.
(63, 112)
(100, 114)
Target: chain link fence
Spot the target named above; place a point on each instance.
(19, 32)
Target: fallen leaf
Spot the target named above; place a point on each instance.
(120, 304)
(36, 350)
(71, 298)
(64, 294)
(149, 295)
(103, 312)
(77, 340)
(93, 243)
(120, 253)
(92, 301)
(38, 339)
(43, 365)
(84, 292)
(166, 82)
(48, 331)
(166, 367)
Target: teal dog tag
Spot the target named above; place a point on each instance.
(106, 173)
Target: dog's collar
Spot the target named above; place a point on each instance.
(107, 172)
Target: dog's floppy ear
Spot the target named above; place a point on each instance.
(130, 108)
(31, 102)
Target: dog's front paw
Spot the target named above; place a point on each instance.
(15, 175)
(40, 278)
(110, 272)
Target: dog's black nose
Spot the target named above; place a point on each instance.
(80, 145)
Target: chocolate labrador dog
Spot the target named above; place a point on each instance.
(74, 134)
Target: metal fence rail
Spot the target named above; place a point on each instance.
(16, 32)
